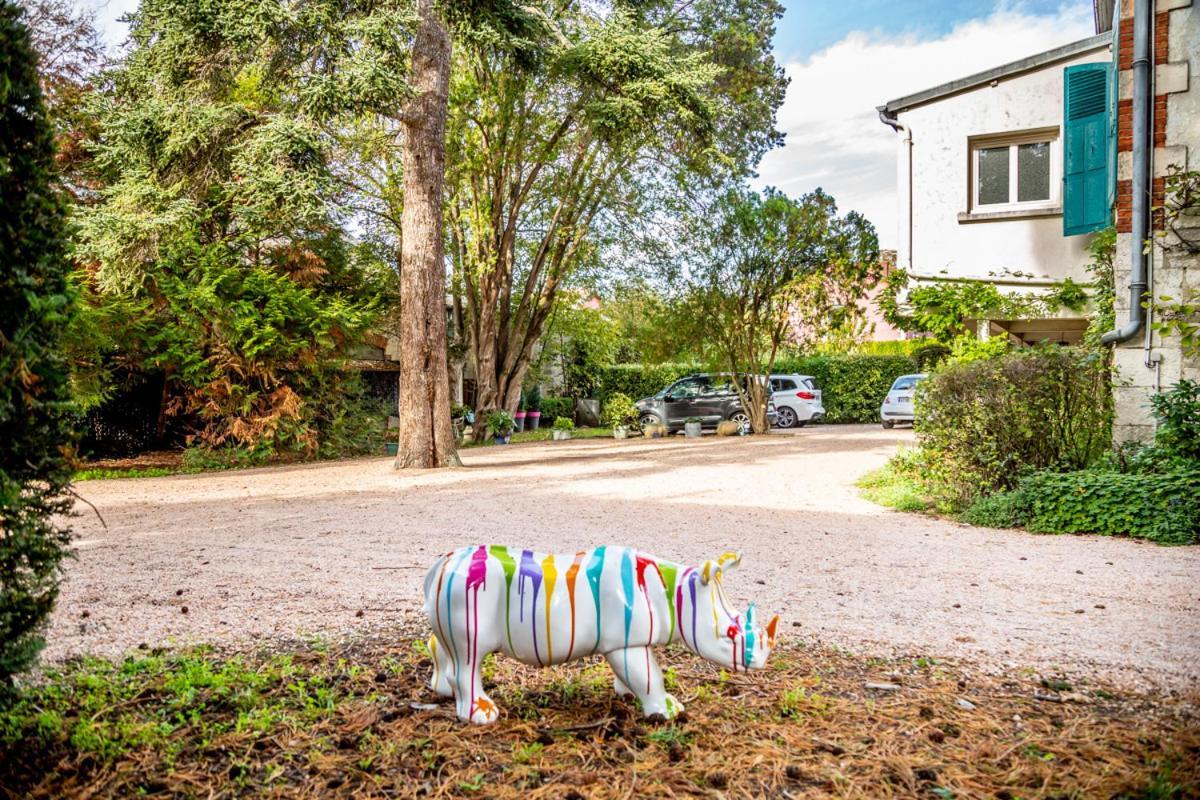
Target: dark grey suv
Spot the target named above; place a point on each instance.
(712, 398)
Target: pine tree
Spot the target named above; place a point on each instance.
(35, 305)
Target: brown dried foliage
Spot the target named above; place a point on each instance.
(805, 727)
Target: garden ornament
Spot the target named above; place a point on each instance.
(545, 609)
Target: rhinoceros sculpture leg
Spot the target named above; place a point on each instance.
(548, 608)
(636, 672)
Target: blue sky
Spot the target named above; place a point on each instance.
(844, 58)
(809, 26)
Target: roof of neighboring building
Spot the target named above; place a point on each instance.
(997, 73)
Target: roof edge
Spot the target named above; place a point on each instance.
(1010, 69)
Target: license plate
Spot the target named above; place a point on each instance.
(904, 400)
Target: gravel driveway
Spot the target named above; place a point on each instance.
(341, 547)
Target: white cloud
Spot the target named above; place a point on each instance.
(834, 137)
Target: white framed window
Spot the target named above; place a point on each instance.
(1014, 172)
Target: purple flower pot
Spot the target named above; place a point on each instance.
(532, 420)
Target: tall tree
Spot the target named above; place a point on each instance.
(745, 265)
(551, 147)
(426, 436)
(35, 304)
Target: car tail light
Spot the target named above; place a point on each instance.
(806, 395)
(887, 400)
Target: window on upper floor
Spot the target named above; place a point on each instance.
(1015, 172)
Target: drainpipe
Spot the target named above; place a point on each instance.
(1143, 18)
(889, 118)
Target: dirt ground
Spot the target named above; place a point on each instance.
(340, 548)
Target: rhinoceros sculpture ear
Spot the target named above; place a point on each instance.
(771, 626)
(715, 569)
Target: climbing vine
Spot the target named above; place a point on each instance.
(942, 309)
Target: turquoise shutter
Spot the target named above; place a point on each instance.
(1086, 148)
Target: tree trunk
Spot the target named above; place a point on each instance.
(426, 435)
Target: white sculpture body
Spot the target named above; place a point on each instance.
(550, 608)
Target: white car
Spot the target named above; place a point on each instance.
(898, 405)
(797, 400)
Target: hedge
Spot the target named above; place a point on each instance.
(1160, 507)
(853, 386)
(554, 407)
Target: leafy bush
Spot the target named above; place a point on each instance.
(619, 411)
(35, 306)
(638, 380)
(1161, 507)
(532, 398)
(1178, 413)
(500, 423)
(564, 424)
(985, 423)
(554, 407)
(853, 386)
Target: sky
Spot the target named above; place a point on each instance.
(844, 58)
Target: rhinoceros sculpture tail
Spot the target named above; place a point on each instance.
(550, 608)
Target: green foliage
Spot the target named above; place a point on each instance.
(1160, 507)
(619, 411)
(215, 248)
(1180, 318)
(532, 398)
(942, 308)
(555, 407)
(638, 380)
(898, 483)
(35, 306)
(1103, 250)
(1178, 413)
(982, 424)
(564, 424)
(500, 423)
(852, 386)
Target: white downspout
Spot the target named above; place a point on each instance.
(889, 118)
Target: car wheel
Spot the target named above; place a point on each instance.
(646, 420)
(887, 423)
(740, 417)
(785, 418)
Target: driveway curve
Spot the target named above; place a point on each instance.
(340, 548)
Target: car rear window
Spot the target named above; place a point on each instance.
(782, 385)
(904, 383)
(810, 383)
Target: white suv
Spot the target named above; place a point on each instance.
(898, 405)
(797, 400)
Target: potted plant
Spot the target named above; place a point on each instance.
(500, 425)
(620, 414)
(562, 428)
(691, 427)
(533, 408)
(519, 417)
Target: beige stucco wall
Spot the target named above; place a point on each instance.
(942, 245)
(1173, 272)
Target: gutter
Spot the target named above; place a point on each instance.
(889, 118)
(1143, 17)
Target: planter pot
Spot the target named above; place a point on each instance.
(561, 436)
(533, 419)
(691, 430)
(519, 417)
(620, 432)
(393, 448)
(502, 439)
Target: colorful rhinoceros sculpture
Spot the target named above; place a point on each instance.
(549, 608)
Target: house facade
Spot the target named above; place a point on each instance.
(1006, 176)
(980, 185)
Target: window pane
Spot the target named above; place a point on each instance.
(1033, 172)
(993, 175)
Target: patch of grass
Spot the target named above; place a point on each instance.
(340, 720)
(893, 485)
(100, 474)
